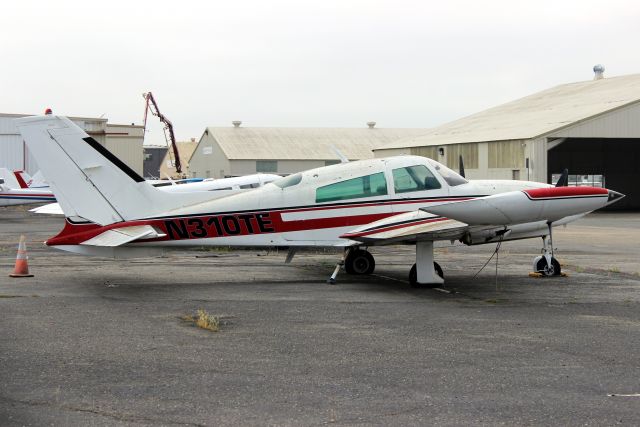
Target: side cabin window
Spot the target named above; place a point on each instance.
(364, 186)
(414, 178)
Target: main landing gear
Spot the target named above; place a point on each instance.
(546, 264)
(355, 261)
(425, 273)
(359, 261)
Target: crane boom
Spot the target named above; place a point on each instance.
(170, 137)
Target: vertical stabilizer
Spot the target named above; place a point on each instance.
(90, 182)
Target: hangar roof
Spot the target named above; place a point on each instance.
(535, 115)
(245, 143)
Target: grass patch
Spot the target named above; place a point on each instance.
(203, 320)
(10, 296)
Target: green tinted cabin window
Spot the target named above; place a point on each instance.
(365, 186)
(414, 178)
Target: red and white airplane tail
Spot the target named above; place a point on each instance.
(14, 179)
(22, 178)
(90, 183)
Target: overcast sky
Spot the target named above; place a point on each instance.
(325, 63)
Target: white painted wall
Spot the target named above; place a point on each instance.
(208, 160)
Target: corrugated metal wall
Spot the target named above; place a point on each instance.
(506, 154)
(469, 154)
(125, 143)
(12, 149)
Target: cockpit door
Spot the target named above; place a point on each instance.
(415, 186)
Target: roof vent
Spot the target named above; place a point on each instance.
(371, 125)
(236, 123)
(598, 69)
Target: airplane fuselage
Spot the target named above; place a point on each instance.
(312, 208)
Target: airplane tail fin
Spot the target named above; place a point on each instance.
(89, 182)
(38, 181)
(22, 178)
(8, 179)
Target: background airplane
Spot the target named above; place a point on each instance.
(221, 187)
(17, 188)
(111, 211)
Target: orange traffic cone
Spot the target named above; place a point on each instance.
(22, 266)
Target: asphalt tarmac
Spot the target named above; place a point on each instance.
(91, 341)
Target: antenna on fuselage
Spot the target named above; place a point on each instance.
(461, 166)
(341, 156)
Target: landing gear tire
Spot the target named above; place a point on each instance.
(546, 270)
(359, 262)
(413, 276)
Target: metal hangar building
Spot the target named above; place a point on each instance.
(592, 128)
(235, 151)
(124, 141)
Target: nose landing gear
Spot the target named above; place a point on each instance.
(546, 264)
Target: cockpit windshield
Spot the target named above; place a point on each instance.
(451, 177)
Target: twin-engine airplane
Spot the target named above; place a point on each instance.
(111, 211)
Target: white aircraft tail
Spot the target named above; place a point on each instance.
(38, 181)
(88, 181)
(14, 179)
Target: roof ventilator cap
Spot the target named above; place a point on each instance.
(371, 124)
(236, 123)
(598, 69)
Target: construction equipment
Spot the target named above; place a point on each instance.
(152, 105)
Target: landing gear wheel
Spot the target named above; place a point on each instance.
(546, 270)
(413, 276)
(359, 262)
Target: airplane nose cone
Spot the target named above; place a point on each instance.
(614, 196)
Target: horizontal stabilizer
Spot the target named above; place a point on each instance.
(121, 236)
(48, 209)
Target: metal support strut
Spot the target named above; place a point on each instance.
(548, 245)
(426, 273)
(332, 279)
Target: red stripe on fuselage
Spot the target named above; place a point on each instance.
(48, 196)
(236, 224)
(376, 203)
(552, 192)
(212, 226)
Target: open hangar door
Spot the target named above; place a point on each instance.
(611, 162)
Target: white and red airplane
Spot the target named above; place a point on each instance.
(18, 188)
(111, 211)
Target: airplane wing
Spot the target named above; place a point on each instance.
(516, 212)
(408, 227)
